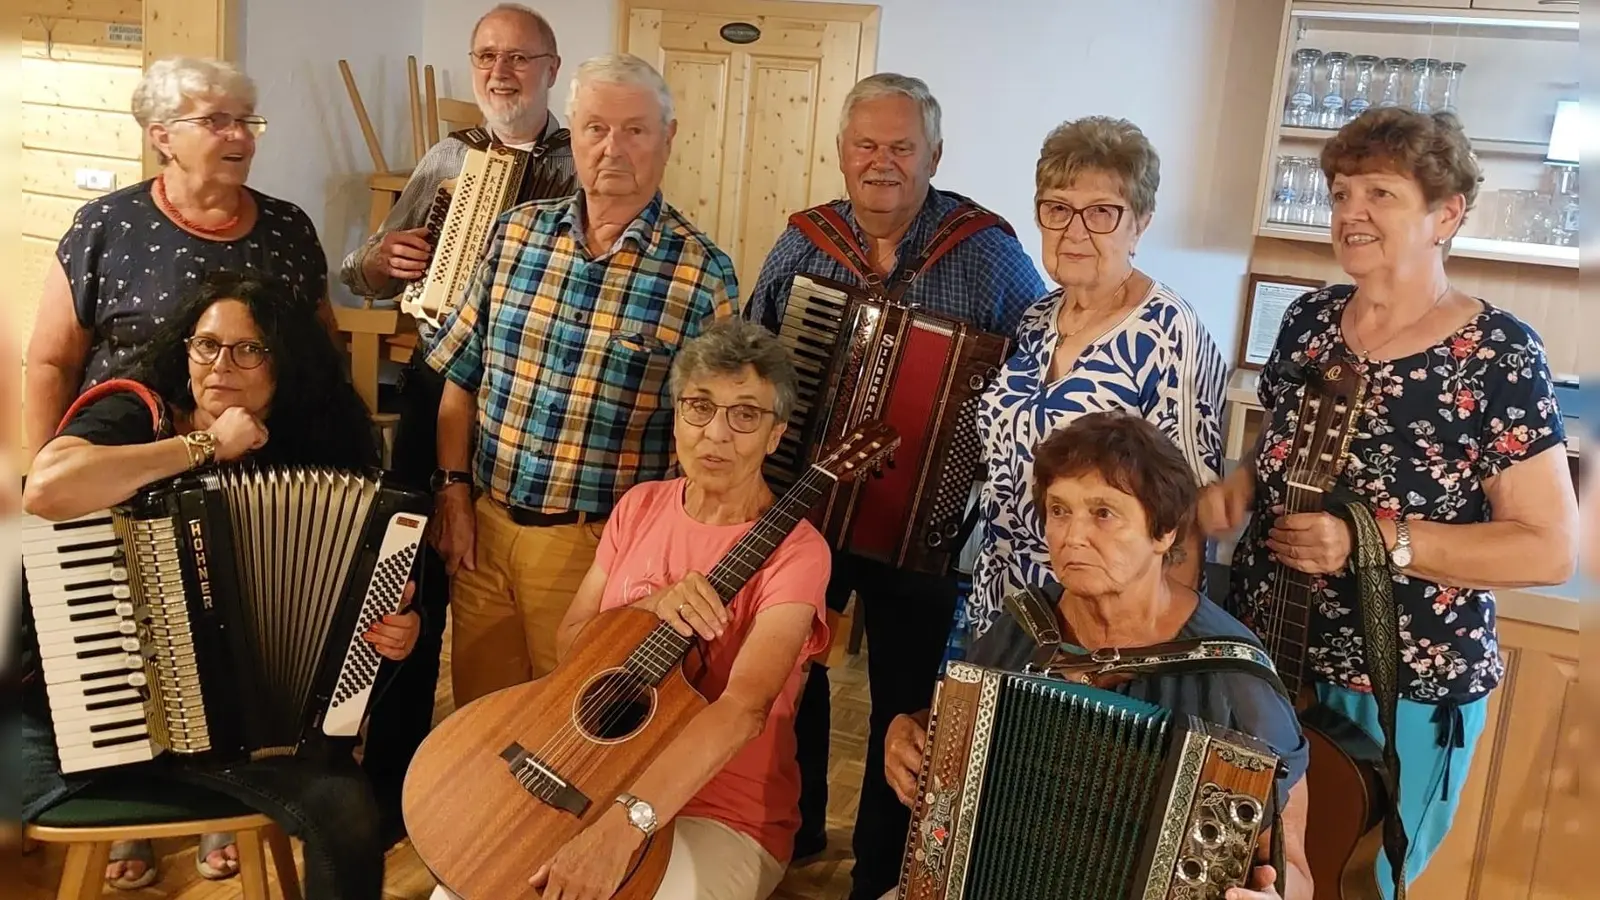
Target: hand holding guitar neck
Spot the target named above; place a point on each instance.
(691, 607)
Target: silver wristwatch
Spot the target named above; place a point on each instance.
(640, 813)
(1400, 556)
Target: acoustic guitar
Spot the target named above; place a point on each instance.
(1343, 834)
(506, 780)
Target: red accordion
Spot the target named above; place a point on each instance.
(921, 374)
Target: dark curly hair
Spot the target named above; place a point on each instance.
(1429, 148)
(317, 418)
(1131, 455)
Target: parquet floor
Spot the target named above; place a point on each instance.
(824, 878)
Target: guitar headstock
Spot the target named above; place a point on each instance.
(861, 450)
(1335, 391)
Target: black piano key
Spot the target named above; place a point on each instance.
(129, 739)
(98, 561)
(85, 601)
(104, 543)
(113, 704)
(116, 726)
(86, 616)
(108, 651)
(81, 523)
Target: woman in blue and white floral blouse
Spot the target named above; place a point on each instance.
(1112, 338)
(1459, 451)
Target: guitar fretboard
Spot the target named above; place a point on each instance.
(665, 648)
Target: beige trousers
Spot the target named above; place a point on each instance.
(710, 861)
(504, 613)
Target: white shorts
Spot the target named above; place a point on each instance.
(710, 861)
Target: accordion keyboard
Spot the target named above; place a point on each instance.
(89, 645)
(812, 319)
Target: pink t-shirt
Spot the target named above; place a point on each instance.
(650, 542)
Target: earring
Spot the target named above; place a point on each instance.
(1439, 242)
(188, 385)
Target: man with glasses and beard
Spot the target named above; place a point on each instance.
(514, 63)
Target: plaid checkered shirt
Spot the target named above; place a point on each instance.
(987, 280)
(568, 354)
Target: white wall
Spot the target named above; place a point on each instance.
(1194, 74)
(313, 153)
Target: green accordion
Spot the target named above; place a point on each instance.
(1034, 788)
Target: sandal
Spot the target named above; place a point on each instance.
(213, 843)
(130, 852)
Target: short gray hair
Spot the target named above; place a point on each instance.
(1115, 147)
(729, 345)
(546, 33)
(892, 84)
(168, 83)
(625, 69)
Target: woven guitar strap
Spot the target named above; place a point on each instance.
(1381, 622)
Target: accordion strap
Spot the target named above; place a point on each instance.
(152, 402)
(828, 230)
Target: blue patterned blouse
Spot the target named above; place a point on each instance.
(1159, 362)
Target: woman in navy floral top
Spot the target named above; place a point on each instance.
(1459, 450)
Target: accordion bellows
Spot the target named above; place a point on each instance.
(1036, 788)
(218, 614)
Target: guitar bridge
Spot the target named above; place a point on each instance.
(540, 780)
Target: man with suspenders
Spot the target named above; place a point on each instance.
(904, 241)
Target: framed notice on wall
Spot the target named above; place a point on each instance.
(1265, 302)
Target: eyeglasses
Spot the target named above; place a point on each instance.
(485, 59)
(219, 122)
(245, 354)
(742, 417)
(1101, 218)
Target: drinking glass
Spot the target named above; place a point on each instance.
(1285, 192)
(1360, 101)
(1299, 108)
(1331, 101)
(1422, 73)
(1392, 76)
(1447, 86)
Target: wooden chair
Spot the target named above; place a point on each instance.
(89, 850)
(456, 114)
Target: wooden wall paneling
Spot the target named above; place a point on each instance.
(1546, 297)
(37, 257)
(80, 40)
(206, 28)
(101, 10)
(79, 85)
(80, 130)
(47, 217)
(54, 172)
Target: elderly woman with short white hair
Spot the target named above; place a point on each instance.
(129, 255)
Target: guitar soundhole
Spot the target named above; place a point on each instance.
(614, 705)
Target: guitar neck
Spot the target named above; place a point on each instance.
(665, 648)
(1290, 618)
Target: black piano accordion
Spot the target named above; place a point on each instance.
(218, 616)
(1034, 787)
(920, 373)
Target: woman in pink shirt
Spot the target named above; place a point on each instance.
(729, 781)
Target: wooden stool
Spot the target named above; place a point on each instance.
(89, 851)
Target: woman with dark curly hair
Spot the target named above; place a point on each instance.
(235, 371)
(1458, 452)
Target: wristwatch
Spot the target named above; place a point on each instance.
(202, 447)
(1400, 556)
(640, 813)
(443, 478)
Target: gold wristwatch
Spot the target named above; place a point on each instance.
(202, 446)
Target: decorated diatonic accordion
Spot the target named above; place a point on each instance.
(1033, 787)
(920, 373)
(493, 179)
(219, 615)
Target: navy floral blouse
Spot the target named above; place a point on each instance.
(1435, 427)
(128, 266)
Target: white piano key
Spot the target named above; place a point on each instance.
(107, 757)
(63, 670)
(82, 693)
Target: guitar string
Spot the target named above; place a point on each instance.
(567, 745)
(1296, 500)
(589, 754)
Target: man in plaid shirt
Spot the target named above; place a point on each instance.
(557, 361)
(889, 148)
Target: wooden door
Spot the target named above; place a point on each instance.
(758, 115)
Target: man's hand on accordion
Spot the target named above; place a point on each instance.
(395, 635)
(401, 254)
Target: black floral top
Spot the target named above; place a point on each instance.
(128, 266)
(1436, 425)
